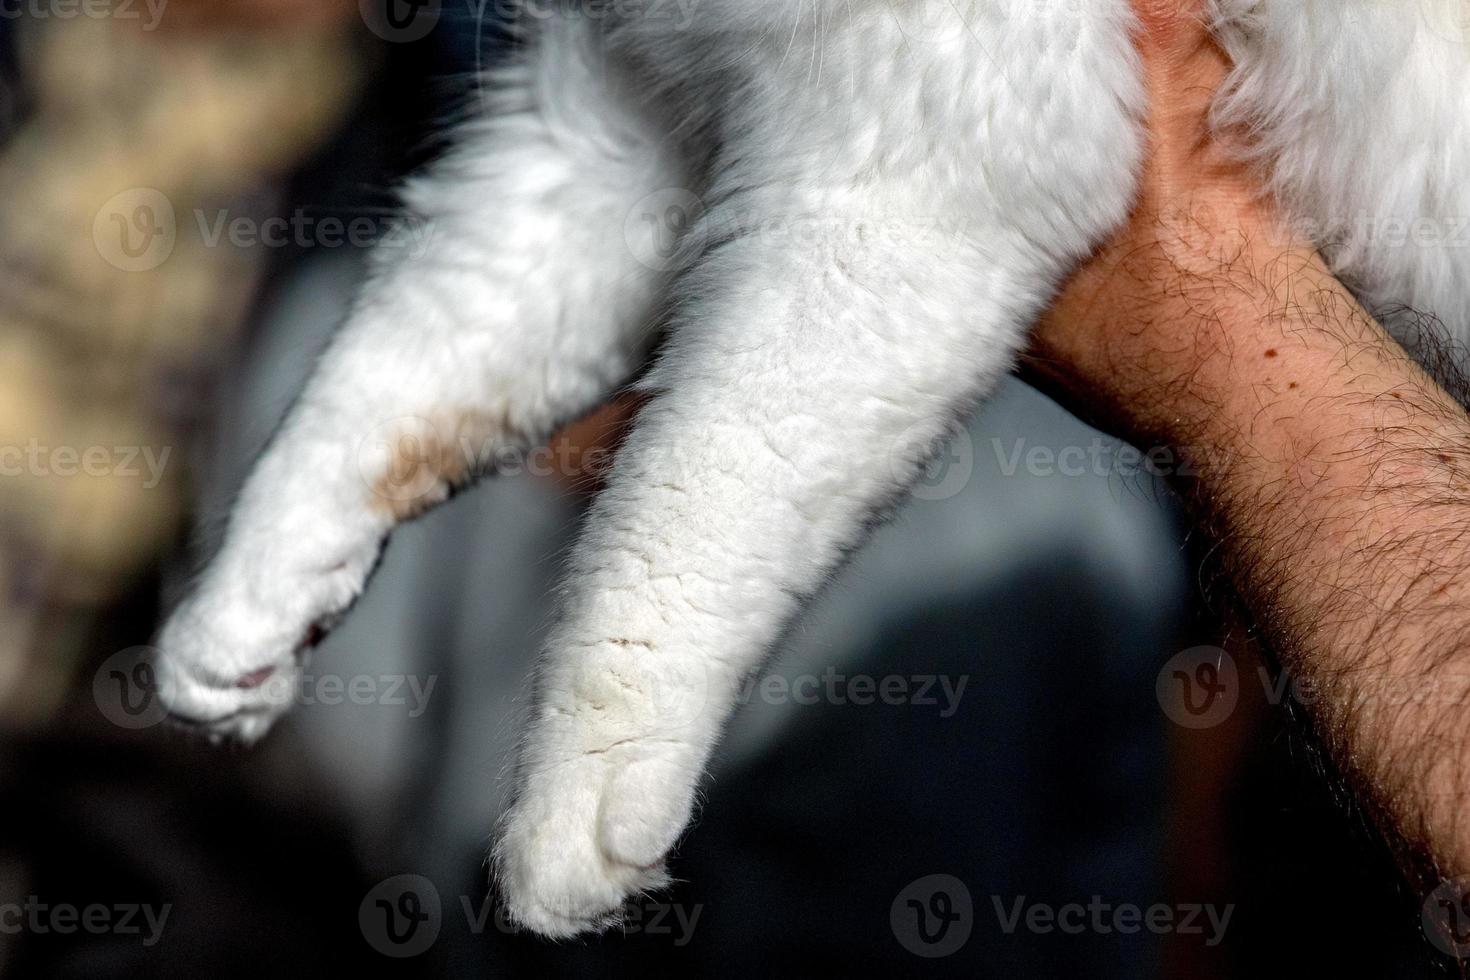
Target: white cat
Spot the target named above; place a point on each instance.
(844, 214)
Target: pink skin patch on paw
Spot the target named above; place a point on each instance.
(255, 678)
(315, 633)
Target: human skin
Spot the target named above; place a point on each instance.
(1331, 470)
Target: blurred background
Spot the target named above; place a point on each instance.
(1015, 738)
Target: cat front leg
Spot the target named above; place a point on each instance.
(530, 302)
(800, 396)
(871, 271)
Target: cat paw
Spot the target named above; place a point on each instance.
(592, 830)
(215, 673)
(230, 658)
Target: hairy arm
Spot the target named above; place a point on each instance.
(1332, 470)
(1335, 475)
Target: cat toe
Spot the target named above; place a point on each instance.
(224, 690)
(589, 833)
(556, 882)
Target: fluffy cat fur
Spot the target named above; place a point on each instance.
(843, 215)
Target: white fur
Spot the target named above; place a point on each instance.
(1358, 112)
(889, 195)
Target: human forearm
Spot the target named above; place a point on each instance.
(1334, 474)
